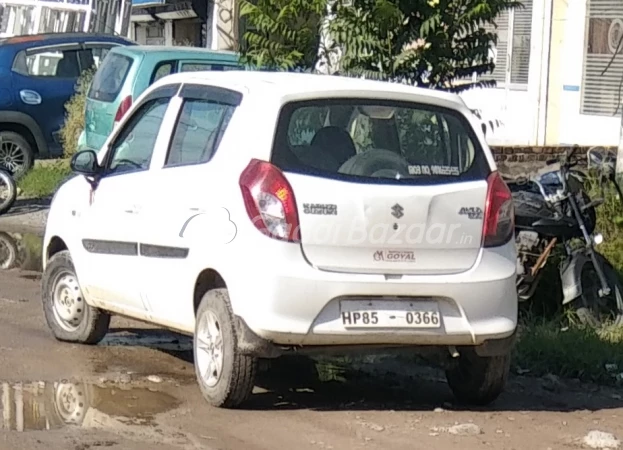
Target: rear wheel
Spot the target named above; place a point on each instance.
(16, 154)
(225, 376)
(593, 310)
(478, 380)
(67, 314)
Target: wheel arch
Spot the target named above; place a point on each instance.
(207, 280)
(25, 125)
(55, 245)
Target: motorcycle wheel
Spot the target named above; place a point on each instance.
(8, 191)
(595, 311)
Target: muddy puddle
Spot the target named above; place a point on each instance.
(156, 338)
(20, 251)
(42, 405)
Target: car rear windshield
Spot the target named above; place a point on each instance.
(378, 141)
(109, 79)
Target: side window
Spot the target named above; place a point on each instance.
(134, 146)
(198, 131)
(108, 81)
(93, 55)
(61, 62)
(198, 67)
(162, 70)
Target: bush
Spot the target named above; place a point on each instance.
(74, 118)
(44, 178)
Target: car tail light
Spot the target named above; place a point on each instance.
(269, 200)
(499, 223)
(123, 108)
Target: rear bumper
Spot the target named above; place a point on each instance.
(298, 305)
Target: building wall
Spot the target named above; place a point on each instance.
(222, 29)
(571, 83)
(519, 100)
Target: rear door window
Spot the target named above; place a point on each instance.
(162, 70)
(62, 61)
(198, 131)
(109, 78)
(379, 141)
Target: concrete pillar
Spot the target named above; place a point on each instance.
(6, 406)
(168, 32)
(556, 64)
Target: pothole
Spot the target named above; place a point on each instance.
(31, 406)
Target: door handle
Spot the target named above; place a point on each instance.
(30, 97)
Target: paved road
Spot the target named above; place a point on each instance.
(137, 391)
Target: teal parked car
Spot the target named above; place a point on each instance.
(127, 71)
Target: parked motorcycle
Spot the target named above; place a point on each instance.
(8, 190)
(553, 208)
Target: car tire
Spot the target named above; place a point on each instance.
(215, 344)
(66, 312)
(478, 380)
(26, 149)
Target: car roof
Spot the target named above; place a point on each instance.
(59, 38)
(161, 51)
(284, 84)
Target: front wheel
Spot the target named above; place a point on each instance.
(16, 153)
(593, 310)
(478, 380)
(67, 314)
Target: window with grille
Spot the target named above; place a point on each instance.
(512, 52)
(601, 94)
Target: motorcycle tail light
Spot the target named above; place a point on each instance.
(499, 223)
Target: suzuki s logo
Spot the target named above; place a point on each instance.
(397, 211)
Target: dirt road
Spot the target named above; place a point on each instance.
(136, 390)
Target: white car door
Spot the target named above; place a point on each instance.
(109, 226)
(180, 217)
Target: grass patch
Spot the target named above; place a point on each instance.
(570, 352)
(43, 179)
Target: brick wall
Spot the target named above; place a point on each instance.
(518, 160)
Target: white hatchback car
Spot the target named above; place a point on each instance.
(266, 213)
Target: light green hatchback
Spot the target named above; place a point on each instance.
(127, 71)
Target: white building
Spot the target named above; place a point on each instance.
(551, 89)
(24, 17)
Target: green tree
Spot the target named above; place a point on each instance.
(282, 34)
(436, 43)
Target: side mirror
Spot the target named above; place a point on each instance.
(85, 162)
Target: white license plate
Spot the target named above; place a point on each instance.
(389, 314)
